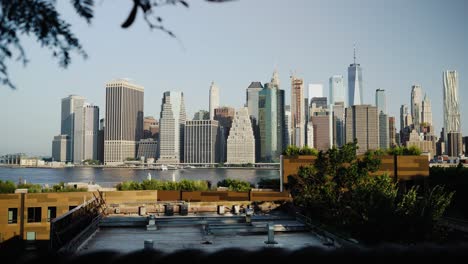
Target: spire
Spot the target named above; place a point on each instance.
(354, 55)
(275, 78)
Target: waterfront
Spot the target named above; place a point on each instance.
(109, 177)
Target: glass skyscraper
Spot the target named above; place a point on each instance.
(381, 100)
(337, 89)
(451, 103)
(355, 89)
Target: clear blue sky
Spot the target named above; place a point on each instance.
(400, 42)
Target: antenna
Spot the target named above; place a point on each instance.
(354, 56)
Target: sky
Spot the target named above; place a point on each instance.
(399, 43)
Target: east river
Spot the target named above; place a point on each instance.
(109, 177)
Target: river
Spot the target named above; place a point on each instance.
(109, 177)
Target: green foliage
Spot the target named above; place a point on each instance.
(32, 188)
(404, 151)
(61, 187)
(264, 183)
(183, 185)
(7, 187)
(91, 162)
(293, 151)
(235, 185)
(339, 191)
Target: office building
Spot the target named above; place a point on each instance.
(123, 120)
(392, 131)
(150, 127)
(338, 124)
(318, 102)
(70, 105)
(252, 98)
(59, 148)
(224, 115)
(86, 129)
(451, 103)
(321, 131)
(171, 128)
(241, 141)
(355, 84)
(426, 147)
(200, 141)
(297, 112)
(100, 148)
(288, 122)
(362, 123)
(214, 99)
(426, 113)
(384, 132)
(416, 106)
(147, 149)
(337, 89)
(381, 100)
(454, 144)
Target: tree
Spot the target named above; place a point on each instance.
(41, 19)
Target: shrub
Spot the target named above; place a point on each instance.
(7, 187)
(235, 185)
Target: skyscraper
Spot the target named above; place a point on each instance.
(200, 141)
(271, 120)
(416, 105)
(338, 124)
(392, 131)
(214, 99)
(252, 98)
(201, 115)
(381, 100)
(241, 141)
(86, 128)
(337, 89)
(70, 105)
(426, 116)
(355, 88)
(149, 126)
(288, 122)
(362, 123)
(405, 124)
(123, 121)
(451, 103)
(384, 136)
(59, 148)
(321, 132)
(297, 112)
(171, 128)
(224, 115)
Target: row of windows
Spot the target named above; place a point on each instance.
(34, 214)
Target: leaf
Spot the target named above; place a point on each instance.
(84, 8)
(131, 17)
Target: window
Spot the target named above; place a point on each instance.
(34, 214)
(12, 215)
(71, 207)
(31, 235)
(51, 213)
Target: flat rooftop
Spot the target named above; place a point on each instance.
(209, 234)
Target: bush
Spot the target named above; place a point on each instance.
(235, 185)
(293, 151)
(32, 188)
(7, 187)
(183, 185)
(404, 151)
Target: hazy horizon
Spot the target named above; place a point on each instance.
(399, 43)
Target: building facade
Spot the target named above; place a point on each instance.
(297, 112)
(147, 149)
(123, 120)
(392, 131)
(59, 148)
(321, 131)
(70, 105)
(337, 89)
(214, 99)
(426, 113)
(381, 100)
(362, 123)
(171, 128)
(384, 131)
(224, 115)
(454, 144)
(252, 98)
(451, 103)
(241, 141)
(86, 129)
(355, 84)
(338, 124)
(200, 142)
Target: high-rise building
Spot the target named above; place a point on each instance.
(424, 145)
(272, 120)
(171, 128)
(454, 144)
(147, 149)
(150, 127)
(392, 131)
(318, 102)
(362, 123)
(224, 115)
(355, 88)
(384, 136)
(426, 113)
(337, 89)
(100, 155)
(252, 98)
(321, 131)
(214, 98)
(381, 100)
(406, 122)
(201, 115)
(200, 141)
(86, 129)
(288, 122)
(451, 103)
(297, 112)
(123, 121)
(241, 141)
(310, 134)
(338, 124)
(465, 144)
(59, 148)
(70, 105)
(416, 105)
(315, 90)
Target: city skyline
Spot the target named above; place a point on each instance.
(418, 63)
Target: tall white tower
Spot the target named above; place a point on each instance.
(214, 99)
(451, 103)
